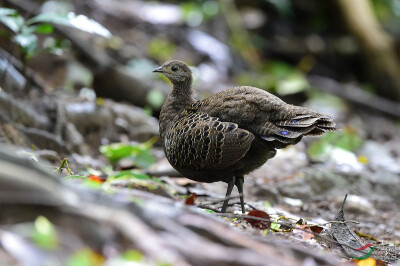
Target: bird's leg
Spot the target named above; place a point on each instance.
(231, 183)
(239, 183)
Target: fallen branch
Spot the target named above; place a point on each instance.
(356, 95)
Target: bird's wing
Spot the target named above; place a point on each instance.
(199, 141)
(267, 116)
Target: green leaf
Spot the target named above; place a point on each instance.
(347, 140)
(117, 151)
(57, 47)
(80, 22)
(144, 159)
(279, 69)
(85, 257)
(139, 153)
(321, 146)
(7, 11)
(44, 234)
(275, 226)
(11, 19)
(93, 184)
(295, 82)
(27, 42)
(267, 204)
(44, 28)
(132, 255)
(131, 174)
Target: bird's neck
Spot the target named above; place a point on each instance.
(182, 93)
(178, 99)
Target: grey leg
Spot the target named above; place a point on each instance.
(239, 183)
(228, 193)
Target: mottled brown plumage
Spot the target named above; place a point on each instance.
(231, 133)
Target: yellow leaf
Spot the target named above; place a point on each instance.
(362, 159)
(367, 262)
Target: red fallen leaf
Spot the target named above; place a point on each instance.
(303, 233)
(190, 200)
(97, 178)
(316, 229)
(257, 223)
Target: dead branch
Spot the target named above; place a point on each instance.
(22, 113)
(356, 95)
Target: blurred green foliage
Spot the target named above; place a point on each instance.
(155, 98)
(347, 140)
(161, 49)
(388, 14)
(139, 179)
(195, 12)
(44, 233)
(284, 7)
(132, 255)
(139, 153)
(25, 30)
(128, 174)
(275, 76)
(85, 257)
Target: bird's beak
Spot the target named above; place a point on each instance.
(158, 69)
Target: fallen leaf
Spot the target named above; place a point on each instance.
(316, 229)
(190, 200)
(347, 239)
(303, 234)
(257, 223)
(96, 178)
(275, 226)
(367, 262)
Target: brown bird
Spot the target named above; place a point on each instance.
(230, 133)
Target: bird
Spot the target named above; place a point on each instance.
(231, 133)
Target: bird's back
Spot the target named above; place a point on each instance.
(266, 116)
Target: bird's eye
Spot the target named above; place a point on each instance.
(174, 68)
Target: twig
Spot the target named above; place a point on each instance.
(218, 201)
(343, 222)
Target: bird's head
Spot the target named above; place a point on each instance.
(176, 71)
